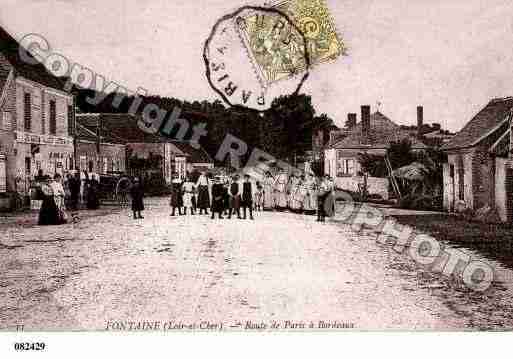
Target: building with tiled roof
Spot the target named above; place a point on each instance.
(36, 119)
(380, 134)
(479, 170)
(485, 122)
(103, 156)
(372, 135)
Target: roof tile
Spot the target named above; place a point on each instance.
(382, 132)
(486, 119)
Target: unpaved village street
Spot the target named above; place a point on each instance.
(187, 270)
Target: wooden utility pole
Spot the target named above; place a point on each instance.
(74, 132)
(98, 141)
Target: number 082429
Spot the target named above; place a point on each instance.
(29, 346)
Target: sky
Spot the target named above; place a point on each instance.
(450, 56)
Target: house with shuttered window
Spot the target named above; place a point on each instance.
(36, 120)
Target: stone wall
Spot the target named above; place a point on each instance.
(463, 169)
(504, 188)
(483, 178)
(375, 185)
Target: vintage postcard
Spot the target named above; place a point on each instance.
(236, 166)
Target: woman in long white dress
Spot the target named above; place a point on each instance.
(281, 191)
(302, 193)
(310, 202)
(295, 201)
(268, 192)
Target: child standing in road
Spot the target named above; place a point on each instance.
(259, 197)
(188, 195)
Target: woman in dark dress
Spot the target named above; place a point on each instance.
(137, 194)
(203, 184)
(217, 199)
(49, 213)
(93, 202)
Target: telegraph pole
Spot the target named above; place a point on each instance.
(74, 132)
(98, 141)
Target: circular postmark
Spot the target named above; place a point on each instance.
(254, 55)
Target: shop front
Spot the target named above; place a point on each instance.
(35, 153)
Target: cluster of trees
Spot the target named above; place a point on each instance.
(284, 131)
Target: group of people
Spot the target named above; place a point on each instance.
(221, 197)
(58, 195)
(302, 193)
(299, 193)
(231, 196)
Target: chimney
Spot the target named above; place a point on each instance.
(420, 120)
(365, 120)
(351, 120)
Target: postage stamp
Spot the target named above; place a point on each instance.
(274, 46)
(315, 21)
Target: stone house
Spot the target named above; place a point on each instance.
(479, 170)
(372, 135)
(102, 155)
(36, 120)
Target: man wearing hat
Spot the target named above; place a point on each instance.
(247, 196)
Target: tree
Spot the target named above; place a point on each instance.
(399, 155)
(292, 122)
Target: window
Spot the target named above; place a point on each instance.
(345, 167)
(53, 118)
(6, 121)
(27, 111)
(83, 161)
(71, 121)
(180, 166)
(91, 166)
(28, 166)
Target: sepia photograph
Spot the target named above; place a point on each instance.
(238, 167)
